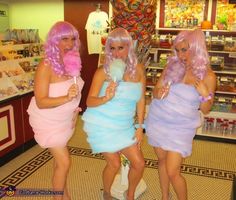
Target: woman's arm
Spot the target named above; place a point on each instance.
(207, 88)
(159, 89)
(140, 108)
(93, 98)
(41, 89)
(141, 102)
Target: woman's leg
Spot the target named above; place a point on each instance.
(137, 165)
(61, 168)
(109, 172)
(163, 176)
(173, 166)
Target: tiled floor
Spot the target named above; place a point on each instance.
(209, 171)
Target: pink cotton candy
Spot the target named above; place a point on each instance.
(72, 63)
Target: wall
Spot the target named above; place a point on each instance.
(4, 19)
(37, 14)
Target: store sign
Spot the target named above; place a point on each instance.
(3, 13)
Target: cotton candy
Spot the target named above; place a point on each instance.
(117, 68)
(72, 63)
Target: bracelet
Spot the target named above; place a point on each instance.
(205, 99)
(139, 126)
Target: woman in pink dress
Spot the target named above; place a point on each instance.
(53, 109)
(186, 86)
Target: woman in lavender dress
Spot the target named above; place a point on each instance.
(186, 85)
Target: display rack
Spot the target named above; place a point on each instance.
(17, 66)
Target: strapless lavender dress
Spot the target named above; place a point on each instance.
(171, 123)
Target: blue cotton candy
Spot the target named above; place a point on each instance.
(117, 68)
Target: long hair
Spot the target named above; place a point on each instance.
(199, 57)
(52, 53)
(120, 35)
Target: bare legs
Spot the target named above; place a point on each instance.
(61, 168)
(169, 165)
(113, 165)
(109, 172)
(163, 176)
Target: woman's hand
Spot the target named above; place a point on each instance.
(75, 115)
(72, 92)
(110, 90)
(163, 91)
(201, 88)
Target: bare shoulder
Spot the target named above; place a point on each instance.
(43, 71)
(100, 74)
(140, 66)
(43, 68)
(100, 71)
(140, 69)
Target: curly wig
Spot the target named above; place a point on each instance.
(58, 31)
(120, 35)
(199, 57)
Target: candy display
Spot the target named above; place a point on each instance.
(11, 70)
(219, 126)
(72, 63)
(29, 65)
(217, 62)
(7, 89)
(230, 44)
(117, 69)
(217, 43)
(18, 63)
(183, 13)
(24, 82)
(225, 14)
(23, 36)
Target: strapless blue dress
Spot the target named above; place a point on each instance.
(171, 122)
(110, 126)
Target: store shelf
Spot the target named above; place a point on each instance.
(223, 52)
(183, 29)
(218, 135)
(225, 72)
(16, 46)
(225, 92)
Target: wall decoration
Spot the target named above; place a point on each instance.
(138, 17)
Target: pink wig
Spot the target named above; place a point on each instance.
(198, 54)
(120, 35)
(52, 53)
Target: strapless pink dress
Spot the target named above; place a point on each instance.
(53, 126)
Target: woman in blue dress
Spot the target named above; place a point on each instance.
(116, 96)
(186, 86)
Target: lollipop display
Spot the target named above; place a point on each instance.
(117, 69)
(72, 64)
